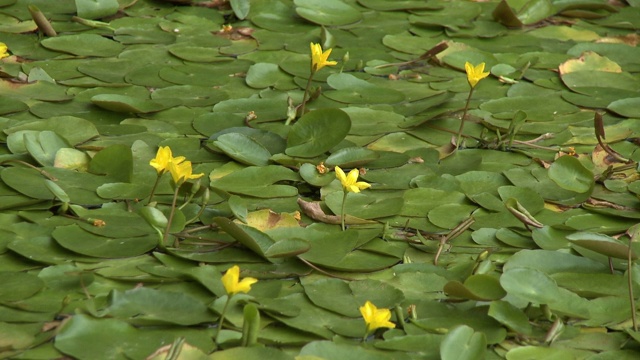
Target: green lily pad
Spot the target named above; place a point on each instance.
(626, 107)
(89, 9)
(154, 307)
(327, 12)
(602, 244)
(262, 75)
(463, 343)
(351, 90)
(19, 286)
(73, 238)
(365, 206)
(126, 104)
(476, 287)
(257, 181)
(569, 173)
(510, 316)
(84, 45)
(243, 149)
(317, 132)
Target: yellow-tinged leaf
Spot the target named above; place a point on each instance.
(266, 219)
(589, 61)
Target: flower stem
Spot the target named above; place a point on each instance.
(342, 213)
(153, 190)
(366, 335)
(464, 115)
(224, 311)
(630, 285)
(173, 210)
(306, 94)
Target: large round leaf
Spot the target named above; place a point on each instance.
(83, 45)
(72, 237)
(602, 244)
(126, 104)
(531, 285)
(626, 107)
(152, 307)
(327, 12)
(569, 173)
(19, 286)
(243, 149)
(463, 343)
(317, 132)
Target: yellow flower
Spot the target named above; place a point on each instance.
(350, 182)
(475, 74)
(181, 172)
(3, 50)
(163, 158)
(231, 282)
(376, 318)
(319, 58)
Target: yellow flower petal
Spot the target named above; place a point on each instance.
(340, 175)
(319, 59)
(231, 283)
(182, 172)
(350, 182)
(3, 50)
(475, 74)
(376, 318)
(162, 159)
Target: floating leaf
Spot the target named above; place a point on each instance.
(569, 173)
(476, 287)
(84, 45)
(602, 244)
(327, 12)
(463, 343)
(90, 9)
(626, 107)
(317, 132)
(153, 307)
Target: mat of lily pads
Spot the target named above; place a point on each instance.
(512, 237)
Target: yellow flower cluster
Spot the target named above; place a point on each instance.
(179, 168)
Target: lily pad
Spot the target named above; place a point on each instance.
(84, 45)
(317, 132)
(73, 238)
(327, 12)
